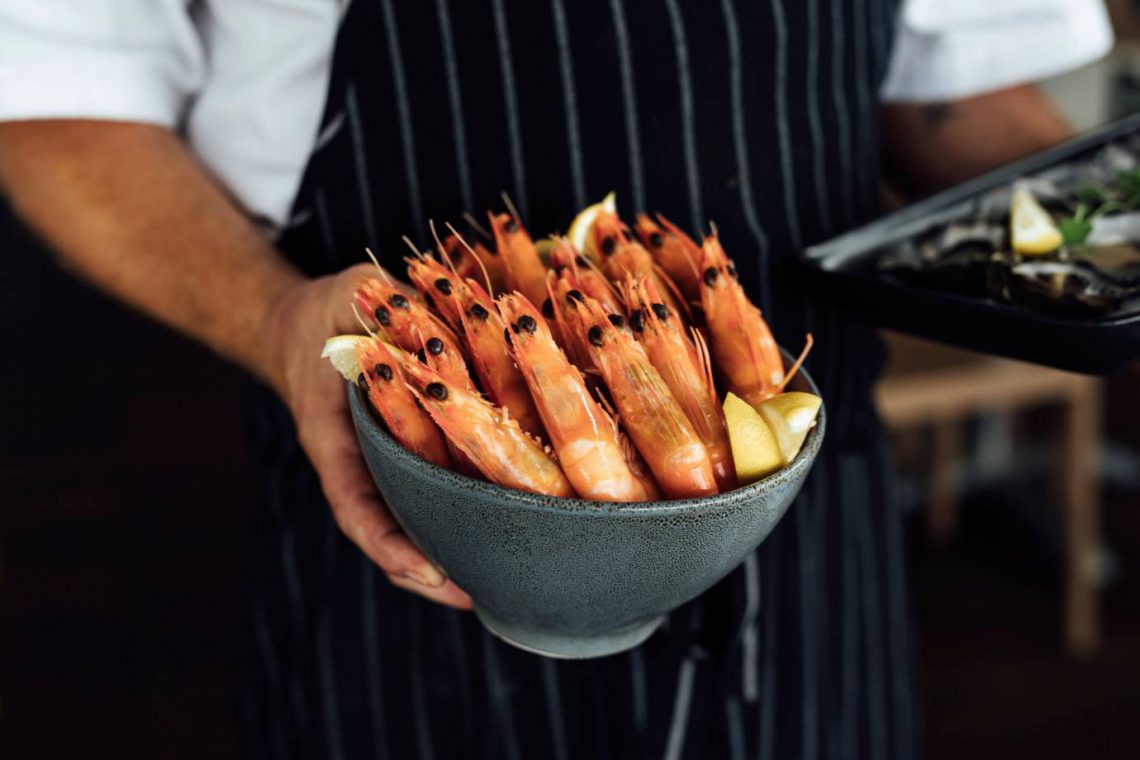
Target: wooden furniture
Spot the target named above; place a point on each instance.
(941, 388)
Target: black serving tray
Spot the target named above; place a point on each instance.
(843, 271)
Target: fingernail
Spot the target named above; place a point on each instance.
(427, 575)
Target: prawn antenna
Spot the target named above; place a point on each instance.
(360, 319)
(470, 219)
(478, 259)
(383, 272)
(808, 343)
(511, 207)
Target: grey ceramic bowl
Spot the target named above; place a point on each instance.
(567, 577)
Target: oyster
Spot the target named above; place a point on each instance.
(1072, 286)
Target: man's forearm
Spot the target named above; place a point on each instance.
(930, 146)
(129, 209)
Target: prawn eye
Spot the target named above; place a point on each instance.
(383, 371)
(595, 336)
(527, 323)
(382, 316)
(608, 245)
(398, 301)
(637, 320)
(435, 346)
(507, 335)
(656, 240)
(438, 391)
(581, 261)
(710, 276)
(660, 310)
(362, 382)
(548, 309)
(443, 285)
(511, 225)
(421, 356)
(617, 320)
(479, 312)
(575, 296)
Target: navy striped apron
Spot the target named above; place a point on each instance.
(757, 114)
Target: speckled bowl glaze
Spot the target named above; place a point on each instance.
(567, 577)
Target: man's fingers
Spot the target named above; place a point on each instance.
(448, 593)
(355, 503)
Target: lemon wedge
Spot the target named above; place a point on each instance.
(583, 225)
(754, 446)
(342, 351)
(1031, 228)
(790, 416)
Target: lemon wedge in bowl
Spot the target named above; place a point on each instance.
(583, 225)
(1032, 230)
(791, 416)
(755, 449)
(343, 352)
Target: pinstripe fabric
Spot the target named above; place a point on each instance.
(757, 115)
(740, 145)
(840, 99)
(570, 100)
(502, 41)
(688, 131)
(455, 99)
(629, 98)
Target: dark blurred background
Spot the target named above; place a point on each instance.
(127, 514)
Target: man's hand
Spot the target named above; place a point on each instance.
(314, 391)
(127, 207)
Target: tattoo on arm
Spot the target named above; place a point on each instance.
(935, 115)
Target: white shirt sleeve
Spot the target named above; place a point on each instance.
(244, 79)
(950, 49)
(121, 60)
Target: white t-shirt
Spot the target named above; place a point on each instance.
(246, 80)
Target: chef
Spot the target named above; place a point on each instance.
(220, 165)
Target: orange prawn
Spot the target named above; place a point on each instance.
(491, 439)
(594, 455)
(583, 275)
(522, 267)
(677, 457)
(683, 362)
(412, 327)
(743, 348)
(383, 380)
(622, 256)
(473, 260)
(465, 304)
(674, 251)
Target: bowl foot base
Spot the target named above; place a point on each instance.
(569, 646)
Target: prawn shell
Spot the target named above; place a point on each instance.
(586, 439)
(650, 414)
(485, 434)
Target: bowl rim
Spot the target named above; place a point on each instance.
(545, 503)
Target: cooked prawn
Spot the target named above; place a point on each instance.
(683, 362)
(522, 267)
(489, 437)
(674, 251)
(622, 256)
(743, 348)
(412, 327)
(655, 421)
(585, 438)
(383, 380)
